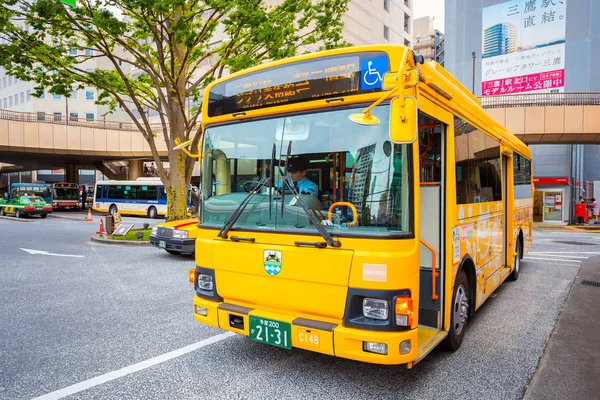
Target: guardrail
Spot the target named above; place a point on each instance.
(74, 121)
(541, 100)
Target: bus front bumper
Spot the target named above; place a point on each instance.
(66, 205)
(331, 339)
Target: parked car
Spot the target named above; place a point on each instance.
(176, 237)
(26, 205)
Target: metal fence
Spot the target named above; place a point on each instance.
(60, 119)
(541, 100)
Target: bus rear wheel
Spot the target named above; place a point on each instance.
(112, 209)
(152, 213)
(18, 214)
(459, 313)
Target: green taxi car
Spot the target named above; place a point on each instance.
(26, 205)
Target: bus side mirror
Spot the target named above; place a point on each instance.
(403, 120)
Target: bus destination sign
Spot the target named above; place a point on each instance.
(318, 78)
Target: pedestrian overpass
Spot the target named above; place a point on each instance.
(32, 140)
(42, 141)
(548, 118)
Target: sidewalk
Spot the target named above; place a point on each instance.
(576, 227)
(570, 365)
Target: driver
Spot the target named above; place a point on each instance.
(296, 169)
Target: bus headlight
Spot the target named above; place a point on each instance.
(205, 282)
(375, 308)
(180, 234)
(154, 230)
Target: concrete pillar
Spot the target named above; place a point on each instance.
(72, 173)
(136, 168)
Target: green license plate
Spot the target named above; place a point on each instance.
(162, 244)
(271, 332)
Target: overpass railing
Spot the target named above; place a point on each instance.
(541, 100)
(60, 119)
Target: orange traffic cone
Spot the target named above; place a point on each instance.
(89, 216)
(101, 231)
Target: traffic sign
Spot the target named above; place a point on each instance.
(69, 2)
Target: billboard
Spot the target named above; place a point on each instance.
(523, 47)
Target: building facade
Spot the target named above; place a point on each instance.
(501, 47)
(428, 42)
(379, 21)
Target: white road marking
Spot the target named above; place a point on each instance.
(551, 259)
(110, 376)
(557, 255)
(47, 253)
(564, 252)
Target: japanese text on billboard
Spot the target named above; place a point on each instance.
(523, 47)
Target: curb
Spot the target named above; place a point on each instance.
(16, 219)
(101, 239)
(52, 215)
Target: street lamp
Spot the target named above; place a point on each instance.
(473, 87)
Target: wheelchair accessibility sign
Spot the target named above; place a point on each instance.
(372, 70)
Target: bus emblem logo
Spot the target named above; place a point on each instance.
(272, 262)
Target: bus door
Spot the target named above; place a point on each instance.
(507, 259)
(431, 175)
(130, 202)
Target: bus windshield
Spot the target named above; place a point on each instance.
(336, 164)
(66, 194)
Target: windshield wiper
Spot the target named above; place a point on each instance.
(240, 209)
(287, 181)
(271, 182)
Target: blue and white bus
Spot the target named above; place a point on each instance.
(43, 190)
(145, 196)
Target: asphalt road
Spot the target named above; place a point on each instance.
(117, 323)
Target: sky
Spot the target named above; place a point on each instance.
(433, 8)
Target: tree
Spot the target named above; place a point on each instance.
(169, 41)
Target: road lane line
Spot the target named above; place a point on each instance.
(551, 259)
(556, 255)
(110, 376)
(564, 252)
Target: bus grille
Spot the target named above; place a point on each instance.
(164, 232)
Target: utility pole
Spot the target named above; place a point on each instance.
(473, 87)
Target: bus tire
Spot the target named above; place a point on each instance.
(459, 314)
(2, 212)
(18, 214)
(152, 213)
(517, 263)
(43, 215)
(113, 209)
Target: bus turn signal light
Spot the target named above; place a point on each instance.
(192, 275)
(404, 311)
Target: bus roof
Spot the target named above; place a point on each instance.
(31, 184)
(131, 183)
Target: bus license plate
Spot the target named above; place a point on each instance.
(162, 244)
(271, 332)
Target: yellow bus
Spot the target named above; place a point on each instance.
(356, 202)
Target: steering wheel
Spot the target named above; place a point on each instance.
(249, 185)
(343, 204)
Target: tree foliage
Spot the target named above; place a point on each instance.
(176, 48)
